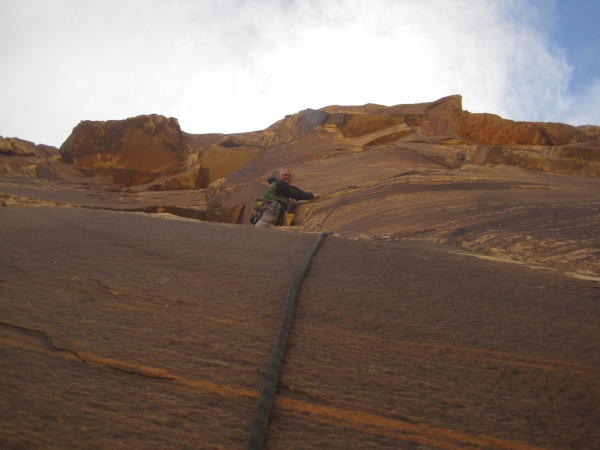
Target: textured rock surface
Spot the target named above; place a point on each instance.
(129, 152)
(19, 147)
(395, 344)
(412, 330)
(221, 161)
(523, 191)
(20, 157)
(426, 171)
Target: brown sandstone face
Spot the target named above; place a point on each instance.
(130, 152)
(428, 170)
(493, 130)
(221, 161)
(443, 118)
(188, 179)
(19, 147)
(446, 116)
(433, 171)
(20, 157)
(293, 125)
(360, 124)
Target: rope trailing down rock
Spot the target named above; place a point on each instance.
(262, 416)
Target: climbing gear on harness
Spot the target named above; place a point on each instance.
(256, 211)
(261, 206)
(262, 416)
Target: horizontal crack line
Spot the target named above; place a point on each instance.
(48, 343)
(339, 416)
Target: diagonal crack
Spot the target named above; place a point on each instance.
(45, 341)
(50, 344)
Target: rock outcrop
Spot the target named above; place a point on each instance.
(426, 203)
(519, 191)
(551, 147)
(20, 157)
(129, 152)
(446, 116)
(432, 171)
(221, 160)
(19, 147)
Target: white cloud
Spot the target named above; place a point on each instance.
(240, 65)
(587, 106)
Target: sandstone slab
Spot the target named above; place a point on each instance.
(127, 330)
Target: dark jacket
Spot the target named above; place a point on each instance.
(281, 192)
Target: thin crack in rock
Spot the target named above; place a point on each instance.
(49, 343)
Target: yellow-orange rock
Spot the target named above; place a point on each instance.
(21, 157)
(19, 147)
(429, 171)
(446, 116)
(221, 161)
(130, 152)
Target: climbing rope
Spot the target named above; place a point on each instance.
(262, 416)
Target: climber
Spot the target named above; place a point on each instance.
(280, 197)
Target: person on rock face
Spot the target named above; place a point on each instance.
(280, 197)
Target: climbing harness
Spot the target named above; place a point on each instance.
(262, 416)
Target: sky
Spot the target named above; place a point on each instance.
(228, 66)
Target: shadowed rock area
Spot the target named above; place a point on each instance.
(454, 306)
